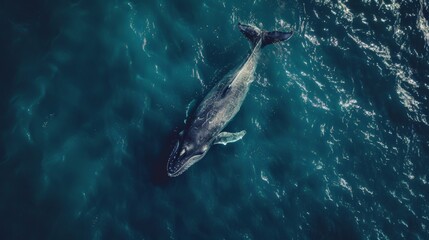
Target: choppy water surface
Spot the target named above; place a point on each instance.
(93, 93)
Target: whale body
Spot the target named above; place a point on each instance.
(204, 128)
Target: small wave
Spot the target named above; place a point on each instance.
(406, 86)
(381, 51)
(407, 90)
(422, 22)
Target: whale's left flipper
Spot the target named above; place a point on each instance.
(227, 137)
(189, 109)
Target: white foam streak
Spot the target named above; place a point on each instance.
(346, 185)
(422, 23)
(346, 11)
(264, 177)
(381, 51)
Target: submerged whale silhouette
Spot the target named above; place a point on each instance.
(221, 104)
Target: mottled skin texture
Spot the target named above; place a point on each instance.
(223, 102)
(213, 114)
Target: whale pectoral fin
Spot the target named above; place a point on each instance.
(227, 137)
(189, 109)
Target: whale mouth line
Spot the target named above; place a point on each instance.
(179, 171)
(175, 174)
(187, 163)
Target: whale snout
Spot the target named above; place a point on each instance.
(174, 161)
(178, 161)
(181, 158)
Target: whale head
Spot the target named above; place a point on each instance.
(185, 154)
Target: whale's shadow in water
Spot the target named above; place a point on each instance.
(159, 174)
(150, 161)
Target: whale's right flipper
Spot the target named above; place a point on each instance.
(227, 137)
(254, 34)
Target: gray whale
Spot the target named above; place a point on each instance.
(221, 104)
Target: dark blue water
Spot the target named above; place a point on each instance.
(93, 94)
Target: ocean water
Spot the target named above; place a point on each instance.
(93, 94)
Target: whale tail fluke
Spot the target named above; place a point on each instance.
(255, 34)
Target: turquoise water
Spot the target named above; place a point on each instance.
(94, 93)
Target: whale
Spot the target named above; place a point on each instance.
(204, 128)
